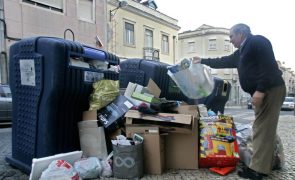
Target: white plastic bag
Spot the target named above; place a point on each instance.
(60, 169)
(194, 80)
(244, 137)
(88, 167)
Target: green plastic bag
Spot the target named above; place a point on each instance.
(104, 92)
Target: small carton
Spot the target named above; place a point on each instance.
(111, 116)
(138, 94)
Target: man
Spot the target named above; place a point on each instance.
(259, 76)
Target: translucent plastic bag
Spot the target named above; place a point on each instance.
(244, 137)
(88, 167)
(194, 80)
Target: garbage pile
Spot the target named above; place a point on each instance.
(129, 132)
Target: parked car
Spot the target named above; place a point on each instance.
(288, 103)
(5, 103)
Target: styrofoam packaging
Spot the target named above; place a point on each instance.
(40, 164)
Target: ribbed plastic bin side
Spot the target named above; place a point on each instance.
(217, 99)
(139, 71)
(49, 95)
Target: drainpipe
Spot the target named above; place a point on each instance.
(174, 49)
(4, 76)
(5, 32)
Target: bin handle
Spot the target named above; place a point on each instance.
(71, 32)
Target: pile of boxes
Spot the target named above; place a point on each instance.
(171, 140)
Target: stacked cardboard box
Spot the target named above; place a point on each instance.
(170, 139)
(167, 144)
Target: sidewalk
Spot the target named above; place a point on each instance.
(285, 131)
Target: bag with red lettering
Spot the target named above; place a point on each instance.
(59, 169)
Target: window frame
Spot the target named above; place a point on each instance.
(125, 42)
(191, 47)
(148, 38)
(165, 44)
(47, 6)
(227, 45)
(92, 20)
(212, 44)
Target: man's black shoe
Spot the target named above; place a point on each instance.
(251, 174)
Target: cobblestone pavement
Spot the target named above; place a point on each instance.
(285, 131)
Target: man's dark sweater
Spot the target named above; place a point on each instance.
(255, 62)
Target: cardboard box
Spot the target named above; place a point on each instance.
(181, 143)
(154, 147)
(145, 97)
(138, 94)
(218, 144)
(182, 149)
(168, 122)
(111, 116)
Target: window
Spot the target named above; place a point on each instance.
(212, 44)
(191, 47)
(55, 5)
(129, 34)
(226, 45)
(86, 9)
(148, 38)
(165, 44)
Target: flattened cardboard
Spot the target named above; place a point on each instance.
(90, 115)
(182, 149)
(153, 88)
(189, 109)
(181, 123)
(154, 147)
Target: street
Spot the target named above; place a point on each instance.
(241, 115)
(244, 115)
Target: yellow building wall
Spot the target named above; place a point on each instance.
(116, 34)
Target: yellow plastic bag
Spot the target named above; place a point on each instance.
(104, 92)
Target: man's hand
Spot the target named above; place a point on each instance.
(196, 60)
(257, 98)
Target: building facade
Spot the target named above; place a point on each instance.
(84, 21)
(138, 30)
(289, 77)
(208, 41)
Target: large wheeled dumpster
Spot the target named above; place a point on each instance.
(139, 71)
(51, 80)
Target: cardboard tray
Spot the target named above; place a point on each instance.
(168, 122)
